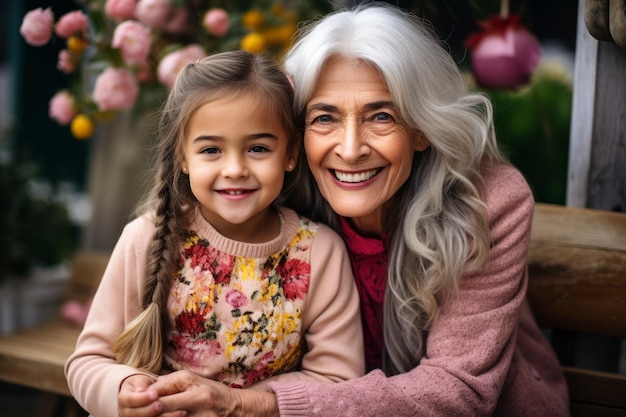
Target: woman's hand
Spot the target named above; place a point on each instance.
(201, 397)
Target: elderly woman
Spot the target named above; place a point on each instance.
(406, 166)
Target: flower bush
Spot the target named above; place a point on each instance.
(124, 54)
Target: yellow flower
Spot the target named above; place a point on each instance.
(81, 127)
(253, 19)
(280, 35)
(253, 42)
(76, 44)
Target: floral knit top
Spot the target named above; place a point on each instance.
(238, 319)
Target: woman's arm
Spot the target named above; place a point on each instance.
(469, 346)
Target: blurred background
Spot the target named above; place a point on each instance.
(85, 189)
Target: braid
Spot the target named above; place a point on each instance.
(147, 328)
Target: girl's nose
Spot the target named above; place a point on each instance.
(234, 167)
(352, 144)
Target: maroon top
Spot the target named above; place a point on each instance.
(369, 257)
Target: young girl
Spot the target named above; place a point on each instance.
(214, 277)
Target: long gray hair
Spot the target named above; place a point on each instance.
(438, 220)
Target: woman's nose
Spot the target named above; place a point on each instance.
(352, 144)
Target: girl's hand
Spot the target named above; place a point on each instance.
(136, 399)
(201, 397)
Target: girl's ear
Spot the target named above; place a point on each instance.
(290, 164)
(421, 143)
(292, 160)
(184, 168)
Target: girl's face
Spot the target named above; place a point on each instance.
(357, 147)
(235, 154)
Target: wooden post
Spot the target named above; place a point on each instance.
(597, 156)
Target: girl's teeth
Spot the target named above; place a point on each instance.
(234, 192)
(359, 177)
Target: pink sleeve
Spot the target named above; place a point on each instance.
(331, 317)
(470, 344)
(92, 374)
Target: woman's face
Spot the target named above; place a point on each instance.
(357, 147)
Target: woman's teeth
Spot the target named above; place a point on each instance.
(358, 177)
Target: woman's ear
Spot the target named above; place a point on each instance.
(421, 143)
(184, 168)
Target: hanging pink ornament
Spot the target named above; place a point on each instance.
(504, 53)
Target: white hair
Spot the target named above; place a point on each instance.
(438, 222)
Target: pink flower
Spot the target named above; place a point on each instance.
(236, 298)
(66, 63)
(36, 28)
(171, 64)
(294, 278)
(153, 13)
(115, 89)
(177, 22)
(504, 53)
(120, 9)
(71, 23)
(133, 39)
(216, 22)
(62, 108)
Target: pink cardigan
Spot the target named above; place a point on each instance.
(485, 354)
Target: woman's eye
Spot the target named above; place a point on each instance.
(324, 118)
(382, 117)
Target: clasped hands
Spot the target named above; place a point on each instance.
(178, 394)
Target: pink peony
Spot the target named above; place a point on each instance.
(216, 22)
(133, 39)
(171, 64)
(115, 89)
(62, 108)
(66, 63)
(36, 28)
(178, 21)
(504, 53)
(72, 23)
(120, 9)
(153, 13)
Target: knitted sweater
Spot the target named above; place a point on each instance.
(237, 312)
(484, 352)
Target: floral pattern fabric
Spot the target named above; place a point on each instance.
(237, 319)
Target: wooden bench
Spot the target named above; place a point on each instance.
(35, 357)
(577, 263)
(577, 266)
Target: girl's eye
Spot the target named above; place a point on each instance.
(210, 151)
(258, 148)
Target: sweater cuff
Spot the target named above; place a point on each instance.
(292, 398)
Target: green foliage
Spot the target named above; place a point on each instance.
(533, 126)
(36, 230)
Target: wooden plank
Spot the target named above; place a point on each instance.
(570, 226)
(577, 264)
(36, 357)
(596, 388)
